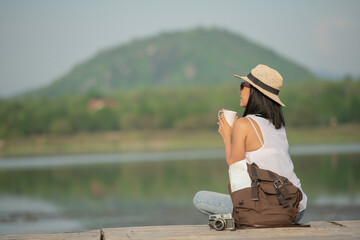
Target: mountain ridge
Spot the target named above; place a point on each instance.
(181, 58)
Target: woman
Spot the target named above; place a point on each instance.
(258, 137)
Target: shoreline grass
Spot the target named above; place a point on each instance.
(158, 140)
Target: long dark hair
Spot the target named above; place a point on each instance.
(262, 106)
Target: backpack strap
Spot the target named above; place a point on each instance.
(254, 183)
(282, 191)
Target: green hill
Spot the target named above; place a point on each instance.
(185, 58)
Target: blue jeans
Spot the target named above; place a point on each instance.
(218, 203)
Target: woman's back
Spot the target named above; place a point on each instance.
(274, 155)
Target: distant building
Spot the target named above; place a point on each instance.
(95, 104)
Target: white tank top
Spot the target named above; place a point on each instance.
(274, 153)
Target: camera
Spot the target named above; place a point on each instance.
(221, 222)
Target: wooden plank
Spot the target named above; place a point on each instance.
(349, 224)
(325, 224)
(319, 230)
(85, 235)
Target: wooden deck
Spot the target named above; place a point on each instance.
(318, 230)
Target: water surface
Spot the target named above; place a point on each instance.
(72, 193)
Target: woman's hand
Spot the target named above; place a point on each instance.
(224, 129)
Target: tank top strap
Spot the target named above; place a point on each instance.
(251, 121)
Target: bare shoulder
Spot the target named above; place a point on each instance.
(241, 124)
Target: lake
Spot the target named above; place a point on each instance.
(73, 193)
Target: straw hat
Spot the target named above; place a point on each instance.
(266, 80)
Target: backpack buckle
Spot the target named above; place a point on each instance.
(278, 184)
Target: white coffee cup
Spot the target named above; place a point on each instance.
(229, 116)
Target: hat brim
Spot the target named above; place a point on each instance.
(270, 95)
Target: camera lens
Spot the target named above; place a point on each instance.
(219, 224)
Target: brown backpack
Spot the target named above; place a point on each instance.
(272, 200)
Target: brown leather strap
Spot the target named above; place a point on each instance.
(282, 191)
(254, 184)
(254, 172)
(255, 190)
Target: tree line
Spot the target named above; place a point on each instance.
(309, 103)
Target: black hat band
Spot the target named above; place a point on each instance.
(263, 85)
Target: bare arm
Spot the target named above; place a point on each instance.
(239, 134)
(234, 139)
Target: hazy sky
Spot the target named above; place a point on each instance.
(40, 40)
